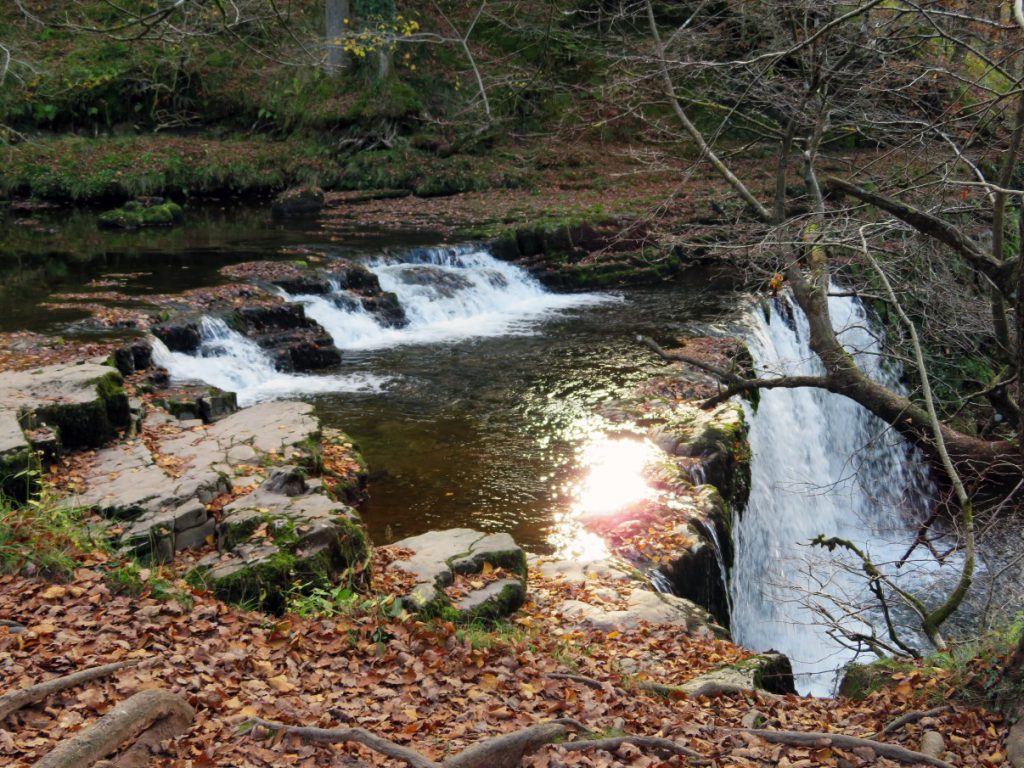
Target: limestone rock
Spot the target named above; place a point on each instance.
(645, 606)
(437, 556)
(769, 672)
(84, 402)
(274, 543)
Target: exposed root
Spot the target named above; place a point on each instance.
(910, 717)
(657, 744)
(709, 689)
(357, 735)
(811, 739)
(505, 751)
(15, 700)
(589, 682)
(143, 720)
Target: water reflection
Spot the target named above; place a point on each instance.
(612, 480)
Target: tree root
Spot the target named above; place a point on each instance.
(15, 700)
(654, 743)
(145, 719)
(505, 751)
(811, 739)
(910, 717)
(589, 682)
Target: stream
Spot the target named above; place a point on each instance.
(481, 413)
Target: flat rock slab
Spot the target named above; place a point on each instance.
(84, 401)
(285, 536)
(274, 429)
(164, 496)
(644, 607)
(437, 556)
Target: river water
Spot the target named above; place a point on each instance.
(481, 412)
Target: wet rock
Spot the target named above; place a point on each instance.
(298, 202)
(124, 361)
(304, 285)
(771, 672)
(294, 341)
(387, 308)
(84, 402)
(179, 335)
(437, 556)
(442, 282)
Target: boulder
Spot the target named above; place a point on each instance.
(139, 214)
(84, 402)
(298, 202)
(437, 557)
(771, 672)
(296, 342)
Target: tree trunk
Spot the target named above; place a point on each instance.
(337, 12)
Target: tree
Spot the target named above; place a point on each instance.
(336, 17)
(934, 91)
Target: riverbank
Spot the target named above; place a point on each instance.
(584, 645)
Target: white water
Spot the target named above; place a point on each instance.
(448, 294)
(464, 293)
(821, 465)
(228, 360)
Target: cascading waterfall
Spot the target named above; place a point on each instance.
(228, 360)
(448, 294)
(821, 464)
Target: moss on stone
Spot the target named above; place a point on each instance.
(137, 216)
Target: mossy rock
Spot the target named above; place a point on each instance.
(86, 404)
(19, 478)
(286, 539)
(137, 216)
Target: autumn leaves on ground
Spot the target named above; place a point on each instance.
(428, 685)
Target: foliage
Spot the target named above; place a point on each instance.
(43, 536)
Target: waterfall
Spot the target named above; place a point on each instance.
(448, 294)
(228, 360)
(821, 465)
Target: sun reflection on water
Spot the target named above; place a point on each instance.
(610, 480)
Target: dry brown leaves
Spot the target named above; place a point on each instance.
(414, 683)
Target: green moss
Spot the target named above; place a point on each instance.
(262, 584)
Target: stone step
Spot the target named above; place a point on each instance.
(437, 556)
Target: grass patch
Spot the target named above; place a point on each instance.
(44, 537)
